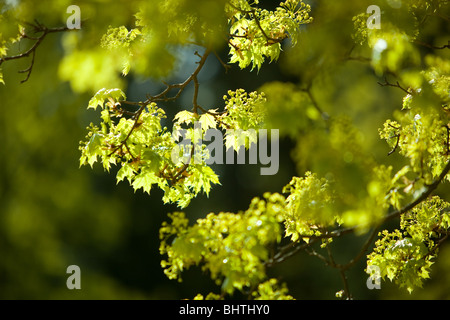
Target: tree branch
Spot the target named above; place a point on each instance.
(288, 251)
(431, 46)
(252, 12)
(38, 28)
(294, 247)
(224, 65)
(397, 85)
(163, 96)
(396, 144)
(421, 198)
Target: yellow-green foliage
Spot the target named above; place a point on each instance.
(231, 247)
(352, 190)
(348, 182)
(406, 255)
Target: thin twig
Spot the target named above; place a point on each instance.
(224, 65)
(396, 144)
(162, 96)
(431, 46)
(29, 69)
(396, 85)
(38, 28)
(362, 250)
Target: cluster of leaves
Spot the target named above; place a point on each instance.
(162, 26)
(420, 130)
(271, 290)
(149, 154)
(232, 247)
(235, 247)
(180, 22)
(295, 101)
(121, 38)
(309, 207)
(256, 34)
(244, 115)
(10, 35)
(268, 290)
(422, 138)
(405, 256)
(360, 25)
(143, 149)
(392, 50)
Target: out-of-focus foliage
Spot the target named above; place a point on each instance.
(337, 88)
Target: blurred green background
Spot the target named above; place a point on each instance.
(54, 214)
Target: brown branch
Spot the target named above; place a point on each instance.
(346, 286)
(183, 169)
(252, 12)
(448, 139)
(396, 85)
(38, 28)
(288, 251)
(437, 246)
(440, 242)
(194, 99)
(163, 96)
(135, 125)
(396, 144)
(224, 65)
(431, 46)
(268, 39)
(29, 69)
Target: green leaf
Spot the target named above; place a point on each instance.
(125, 172)
(144, 180)
(184, 117)
(93, 148)
(206, 177)
(207, 121)
(99, 98)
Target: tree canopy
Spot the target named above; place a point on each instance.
(347, 103)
